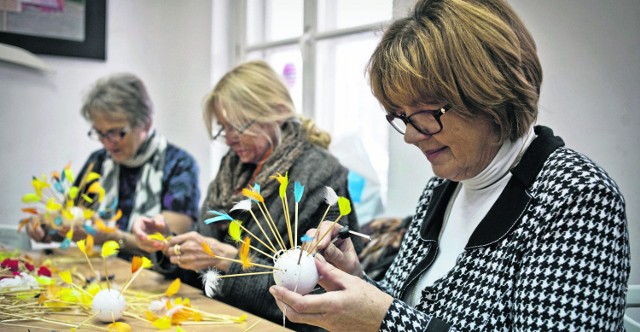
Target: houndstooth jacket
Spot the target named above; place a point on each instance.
(552, 253)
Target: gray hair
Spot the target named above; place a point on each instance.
(119, 94)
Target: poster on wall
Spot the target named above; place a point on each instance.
(74, 28)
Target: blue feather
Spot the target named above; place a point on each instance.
(65, 244)
(89, 229)
(58, 187)
(220, 216)
(298, 189)
(114, 204)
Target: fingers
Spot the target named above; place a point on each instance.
(344, 257)
(138, 228)
(144, 226)
(37, 233)
(331, 278)
(323, 235)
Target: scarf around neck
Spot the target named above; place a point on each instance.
(151, 156)
(233, 175)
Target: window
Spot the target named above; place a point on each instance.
(321, 48)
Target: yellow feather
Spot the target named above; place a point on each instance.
(252, 194)
(110, 248)
(92, 176)
(66, 277)
(344, 205)
(146, 263)
(82, 246)
(140, 262)
(87, 198)
(67, 214)
(73, 192)
(68, 173)
(119, 327)
(235, 231)
(52, 205)
(284, 182)
(173, 288)
(118, 215)
(30, 198)
(89, 244)
(157, 236)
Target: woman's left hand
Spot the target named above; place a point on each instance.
(350, 303)
(186, 251)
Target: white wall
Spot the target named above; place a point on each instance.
(166, 43)
(590, 54)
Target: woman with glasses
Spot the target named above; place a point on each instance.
(516, 231)
(251, 110)
(142, 174)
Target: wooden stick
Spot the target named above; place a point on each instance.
(295, 237)
(257, 238)
(240, 262)
(325, 233)
(244, 274)
(271, 225)
(272, 248)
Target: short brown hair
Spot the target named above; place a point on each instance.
(476, 55)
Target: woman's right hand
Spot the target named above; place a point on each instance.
(339, 252)
(145, 226)
(349, 303)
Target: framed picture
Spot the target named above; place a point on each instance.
(75, 28)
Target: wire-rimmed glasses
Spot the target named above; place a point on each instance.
(222, 133)
(113, 135)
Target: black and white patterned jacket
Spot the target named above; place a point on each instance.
(552, 254)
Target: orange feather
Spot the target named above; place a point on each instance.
(207, 249)
(244, 253)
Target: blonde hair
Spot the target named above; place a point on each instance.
(253, 91)
(476, 55)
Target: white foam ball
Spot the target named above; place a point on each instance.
(299, 278)
(106, 302)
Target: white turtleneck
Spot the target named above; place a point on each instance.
(470, 202)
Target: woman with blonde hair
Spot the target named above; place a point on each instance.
(251, 109)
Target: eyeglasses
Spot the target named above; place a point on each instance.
(426, 121)
(113, 135)
(221, 132)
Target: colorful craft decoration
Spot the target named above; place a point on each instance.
(40, 289)
(293, 264)
(60, 206)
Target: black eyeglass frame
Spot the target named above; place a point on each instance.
(239, 131)
(407, 120)
(114, 135)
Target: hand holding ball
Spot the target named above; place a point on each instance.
(301, 278)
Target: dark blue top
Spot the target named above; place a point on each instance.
(180, 191)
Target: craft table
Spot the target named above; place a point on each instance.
(148, 281)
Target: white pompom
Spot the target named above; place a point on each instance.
(106, 303)
(78, 217)
(302, 278)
